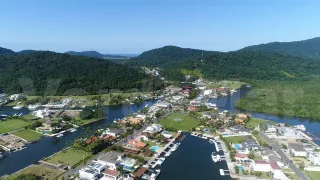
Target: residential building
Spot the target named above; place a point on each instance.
(110, 174)
(111, 159)
(297, 150)
(241, 157)
(241, 118)
(314, 157)
(97, 166)
(163, 105)
(88, 174)
(289, 133)
(113, 132)
(16, 97)
(137, 143)
(154, 128)
(192, 108)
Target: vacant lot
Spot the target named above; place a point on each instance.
(44, 172)
(180, 122)
(68, 157)
(12, 124)
(28, 135)
(254, 122)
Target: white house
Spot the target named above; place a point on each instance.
(154, 128)
(97, 166)
(111, 159)
(15, 97)
(297, 150)
(289, 133)
(163, 105)
(314, 158)
(113, 132)
(207, 92)
(88, 174)
(41, 113)
(264, 166)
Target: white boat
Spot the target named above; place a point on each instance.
(59, 135)
(161, 160)
(300, 127)
(211, 141)
(168, 153)
(215, 157)
(194, 134)
(73, 130)
(155, 174)
(174, 148)
(33, 106)
(17, 107)
(204, 137)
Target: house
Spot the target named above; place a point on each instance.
(314, 158)
(16, 97)
(42, 113)
(241, 118)
(130, 149)
(297, 150)
(111, 159)
(66, 100)
(207, 92)
(139, 172)
(136, 120)
(210, 115)
(88, 174)
(264, 166)
(195, 103)
(163, 105)
(288, 133)
(110, 174)
(113, 132)
(241, 157)
(90, 140)
(192, 108)
(97, 166)
(154, 128)
(137, 143)
(128, 164)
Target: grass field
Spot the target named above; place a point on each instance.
(80, 122)
(44, 172)
(313, 175)
(12, 124)
(235, 139)
(28, 135)
(68, 157)
(234, 84)
(254, 122)
(180, 122)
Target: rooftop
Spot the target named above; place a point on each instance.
(111, 157)
(296, 147)
(111, 172)
(140, 172)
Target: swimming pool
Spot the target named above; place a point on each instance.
(154, 148)
(165, 132)
(240, 168)
(237, 146)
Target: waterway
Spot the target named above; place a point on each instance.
(48, 145)
(192, 160)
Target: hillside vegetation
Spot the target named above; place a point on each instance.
(72, 74)
(309, 48)
(242, 65)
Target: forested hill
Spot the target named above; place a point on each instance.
(165, 56)
(304, 49)
(177, 62)
(96, 55)
(89, 74)
(5, 51)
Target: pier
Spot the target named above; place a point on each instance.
(224, 172)
(163, 150)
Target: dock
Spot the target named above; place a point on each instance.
(163, 150)
(224, 172)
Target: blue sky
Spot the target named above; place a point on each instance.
(134, 26)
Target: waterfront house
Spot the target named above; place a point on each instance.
(91, 139)
(139, 172)
(130, 149)
(154, 128)
(290, 133)
(137, 143)
(113, 132)
(110, 174)
(136, 120)
(264, 166)
(128, 164)
(111, 159)
(163, 105)
(297, 150)
(241, 118)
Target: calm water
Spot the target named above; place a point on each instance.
(48, 145)
(192, 161)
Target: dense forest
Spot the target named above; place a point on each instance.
(5, 51)
(242, 65)
(309, 48)
(96, 55)
(46, 72)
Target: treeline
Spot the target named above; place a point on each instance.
(49, 73)
(241, 65)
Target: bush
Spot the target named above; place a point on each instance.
(86, 114)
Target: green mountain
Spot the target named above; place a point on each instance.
(91, 75)
(177, 62)
(309, 48)
(5, 51)
(96, 54)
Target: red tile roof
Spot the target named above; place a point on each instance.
(111, 172)
(241, 155)
(140, 172)
(273, 165)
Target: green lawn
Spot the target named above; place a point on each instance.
(234, 84)
(81, 122)
(12, 124)
(235, 139)
(180, 122)
(44, 172)
(254, 122)
(313, 175)
(28, 135)
(68, 157)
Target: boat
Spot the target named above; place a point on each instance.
(174, 148)
(59, 135)
(161, 160)
(215, 157)
(17, 107)
(211, 141)
(168, 153)
(73, 130)
(300, 127)
(204, 137)
(155, 174)
(32, 107)
(194, 134)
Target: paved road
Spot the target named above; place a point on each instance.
(284, 156)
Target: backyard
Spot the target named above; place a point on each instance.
(180, 122)
(28, 134)
(12, 124)
(235, 139)
(44, 172)
(68, 157)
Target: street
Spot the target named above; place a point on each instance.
(283, 156)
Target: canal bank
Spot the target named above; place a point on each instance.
(48, 145)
